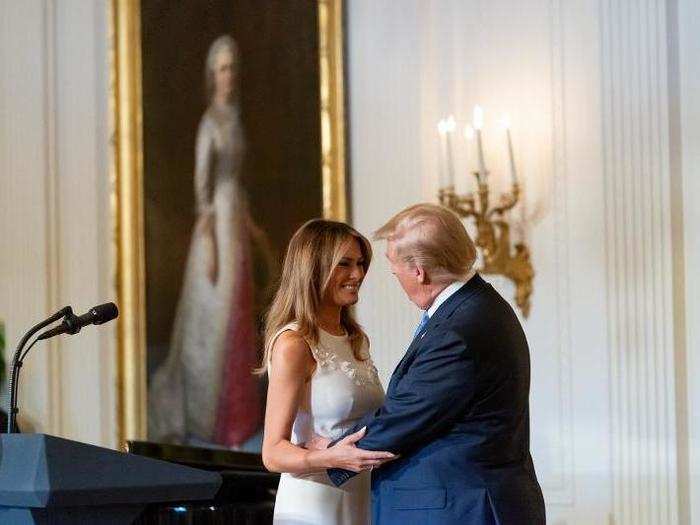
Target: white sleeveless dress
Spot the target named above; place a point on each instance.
(340, 392)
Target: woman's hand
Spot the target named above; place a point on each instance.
(293, 365)
(205, 227)
(317, 443)
(345, 454)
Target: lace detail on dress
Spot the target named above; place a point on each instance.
(360, 372)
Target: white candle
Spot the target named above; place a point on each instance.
(442, 131)
(468, 132)
(478, 124)
(511, 157)
(450, 126)
(468, 137)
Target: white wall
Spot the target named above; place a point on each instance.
(688, 106)
(586, 86)
(54, 208)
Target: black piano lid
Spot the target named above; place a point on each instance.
(198, 457)
(247, 494)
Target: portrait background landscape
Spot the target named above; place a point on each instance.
(292, 169)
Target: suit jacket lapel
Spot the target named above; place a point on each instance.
(443, 313)
(416, 341)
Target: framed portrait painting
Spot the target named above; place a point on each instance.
(228, 133)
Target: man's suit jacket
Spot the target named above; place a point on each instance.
(456, 410)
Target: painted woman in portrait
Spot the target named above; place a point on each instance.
(204, 392)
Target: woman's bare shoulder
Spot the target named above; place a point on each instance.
(292, 352)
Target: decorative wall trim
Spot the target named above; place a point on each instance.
(52, 216)
(564, 492)
(332, 101)
(638, 239)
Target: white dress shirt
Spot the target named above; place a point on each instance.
(448, 292)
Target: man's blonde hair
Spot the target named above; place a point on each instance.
(433, 237)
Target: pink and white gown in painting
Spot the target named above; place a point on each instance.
(204, 392)
(341, 391)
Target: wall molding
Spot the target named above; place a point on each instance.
(638, 239)
(563, 493)
(54, 209)
(52, 218)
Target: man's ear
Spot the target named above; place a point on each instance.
(421, 274)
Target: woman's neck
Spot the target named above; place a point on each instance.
(222, 101)
(329, 320)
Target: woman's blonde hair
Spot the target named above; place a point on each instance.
(433, 237)
(313, 253)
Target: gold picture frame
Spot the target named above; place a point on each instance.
(127, 178)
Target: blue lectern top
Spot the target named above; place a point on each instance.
(39, 471)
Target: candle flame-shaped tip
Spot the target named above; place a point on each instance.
(442, 129)
(478, 117)
(450, 124)
(505, 121)
(468, 132)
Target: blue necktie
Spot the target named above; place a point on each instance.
(423, 321)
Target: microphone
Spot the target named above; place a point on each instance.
(72, 323)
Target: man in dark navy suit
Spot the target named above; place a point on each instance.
(456, 409)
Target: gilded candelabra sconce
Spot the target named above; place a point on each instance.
(493, 239)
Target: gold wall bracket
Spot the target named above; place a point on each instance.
(493, 236)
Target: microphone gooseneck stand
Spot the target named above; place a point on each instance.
(17, 364)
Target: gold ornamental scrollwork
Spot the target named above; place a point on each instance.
(128, 220)
(493, 239)
(332, 100)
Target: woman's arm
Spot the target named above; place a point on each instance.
(203, 178)
(292, 365)
(203, 191)
(436, 389)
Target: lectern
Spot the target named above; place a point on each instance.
(50, 480)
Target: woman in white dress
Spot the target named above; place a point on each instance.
(321, 378)
(204, 392)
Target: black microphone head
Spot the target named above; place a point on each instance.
(104, 312)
